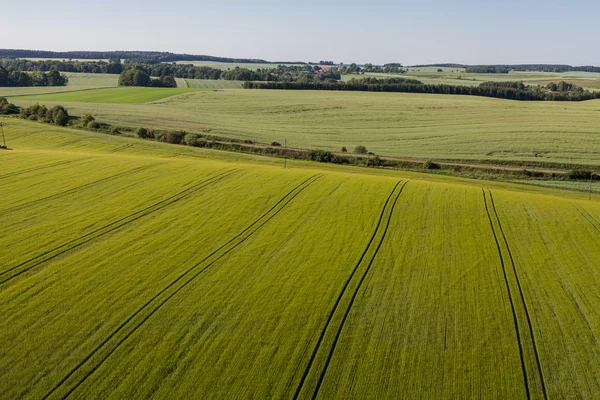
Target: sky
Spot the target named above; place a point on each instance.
(375, 31)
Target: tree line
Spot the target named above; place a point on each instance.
(10, 77)
(503, 90)
(137, 77)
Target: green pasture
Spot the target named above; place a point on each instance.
(120, 95)
(136, 269)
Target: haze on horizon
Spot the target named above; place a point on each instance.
(459, 31)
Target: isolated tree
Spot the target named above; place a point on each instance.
(360, 150)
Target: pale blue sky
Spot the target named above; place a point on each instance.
(377, 31)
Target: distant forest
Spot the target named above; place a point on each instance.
(503, 68)
(150, 57)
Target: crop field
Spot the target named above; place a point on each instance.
(450, 76)
(391, 124)
(136, 269)
(120, 95)
(209, 83)
(226, 66)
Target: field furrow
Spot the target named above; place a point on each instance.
(92, 361)
(320, 358)
(17, 270)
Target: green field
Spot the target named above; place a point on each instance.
(120, 95)
(136, 269)
(209, 84)
(391, 124)
(453, 76)
(226, 66)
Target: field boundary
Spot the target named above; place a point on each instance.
(229, 246)
(48, 255)
(338, 331)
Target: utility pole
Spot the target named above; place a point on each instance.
(284, 155)
(3, 138)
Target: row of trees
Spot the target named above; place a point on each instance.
(512, 91)
(91, 67)
(136, 77)
(11, 77)
(487, 69)
(56, 115)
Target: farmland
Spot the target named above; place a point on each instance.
(390, 124)
(120, 95)
(169, 271)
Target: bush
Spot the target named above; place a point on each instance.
(275, 144)
(360, 150)
(93, 125)
(142, 133)
(320, 156)
(86, 118)
(431, 165)
(580, 174)
(344, 149)
(115, 131)
(170, 137)
(194, 140)
(7, 108)
(61, 118)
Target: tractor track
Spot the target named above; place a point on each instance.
(24, 171)
(343, 292)
(589, 217)
(83, 186)
(99, 232)
(522, 295)
(510, 297)
(193, 273)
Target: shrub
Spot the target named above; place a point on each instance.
(7, 108)
(580, 174)
(93, 125)
(115, 131)
(276, 144)
(142, 133)
(344, 149)
(173, 137)
(360, 150)
(194, 139)
(86, 118)
(60, 118)
(320, 156)
(431, 165)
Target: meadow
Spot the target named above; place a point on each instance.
(422, 126)
(164, 271)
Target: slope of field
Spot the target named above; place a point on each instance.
(120, 95)
(392, 124)
(450, 76)
(226, 66)
(135, 269)
(209, 83)
(77, 79)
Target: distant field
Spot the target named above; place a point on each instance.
(65, 59)
(134, 269)
(92, 80)
(588, 80)
(120, 95)
(225, 66)
(393, 124)
(208, 84)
